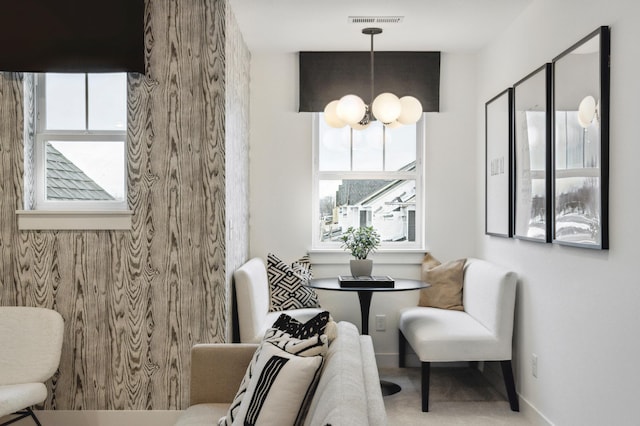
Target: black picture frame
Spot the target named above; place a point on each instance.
(532, 205)
(581, 143)
(498, 164)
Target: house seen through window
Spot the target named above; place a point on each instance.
(80, 141)
(370, 177)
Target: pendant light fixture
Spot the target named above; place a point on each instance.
(388, 108)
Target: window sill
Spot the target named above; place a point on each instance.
(74, 220)
(380, 257)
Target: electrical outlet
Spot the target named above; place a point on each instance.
(381, 322)
(534, 365)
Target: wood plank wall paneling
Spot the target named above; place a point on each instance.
(10, 132)
(214, 247)
(134, 302)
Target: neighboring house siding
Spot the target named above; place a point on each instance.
(388, 205)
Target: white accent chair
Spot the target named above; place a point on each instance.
(30, 348)
(482, 332)
(252, 300)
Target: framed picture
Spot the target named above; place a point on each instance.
(581, 143)
(498, 142)
(532, 156)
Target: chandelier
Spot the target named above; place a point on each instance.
(388, 108)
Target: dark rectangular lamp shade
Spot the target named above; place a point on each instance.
(72, 36)
(325, 76)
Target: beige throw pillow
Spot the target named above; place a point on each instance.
(446, 281)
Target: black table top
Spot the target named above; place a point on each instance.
(400, 284)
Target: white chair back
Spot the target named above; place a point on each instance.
(489, 296)
(252, 297)
(30, 344)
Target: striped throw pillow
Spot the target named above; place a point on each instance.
(277, 341)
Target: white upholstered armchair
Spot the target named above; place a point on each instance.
(30, 348)
(252, 298)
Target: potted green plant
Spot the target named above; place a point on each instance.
(360, 242)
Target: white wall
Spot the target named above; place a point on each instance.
(279, 159)
(280, 184)
(577, 308)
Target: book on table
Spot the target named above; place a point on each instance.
(380, 281)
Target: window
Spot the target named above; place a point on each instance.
(75, 143)
(80, 141)
(370, 177)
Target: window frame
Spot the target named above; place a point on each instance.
(40, 214)
(43, 135)
(418, 175)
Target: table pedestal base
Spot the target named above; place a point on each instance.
(364, 297)
(389, 388)
(365, 303)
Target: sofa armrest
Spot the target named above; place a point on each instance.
(375, 404)
(217, 370)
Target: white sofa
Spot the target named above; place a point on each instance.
(348, 392)
(482, 332)
(252, 298)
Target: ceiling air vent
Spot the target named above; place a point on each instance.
(375, 19)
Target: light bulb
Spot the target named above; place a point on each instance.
(351, 109)
(331, 117)
(586, 111)
(386, 107)
(411, 110)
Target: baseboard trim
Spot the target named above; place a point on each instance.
(493, 373)
(107, 417)
(390, 360)
(532, 414)
(387, 360)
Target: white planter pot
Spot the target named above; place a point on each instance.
(361, 267)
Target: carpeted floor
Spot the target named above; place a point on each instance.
(458, 396)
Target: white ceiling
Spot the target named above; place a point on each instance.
(307, 25)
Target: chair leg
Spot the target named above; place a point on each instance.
(426, 373)
(21, 415)
(35, 419)
(510, 384)
(402, 349)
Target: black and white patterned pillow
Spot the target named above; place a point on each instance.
(311, 346)
(315, 346)
(286, 285)
(302, 267)
(300, 330)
